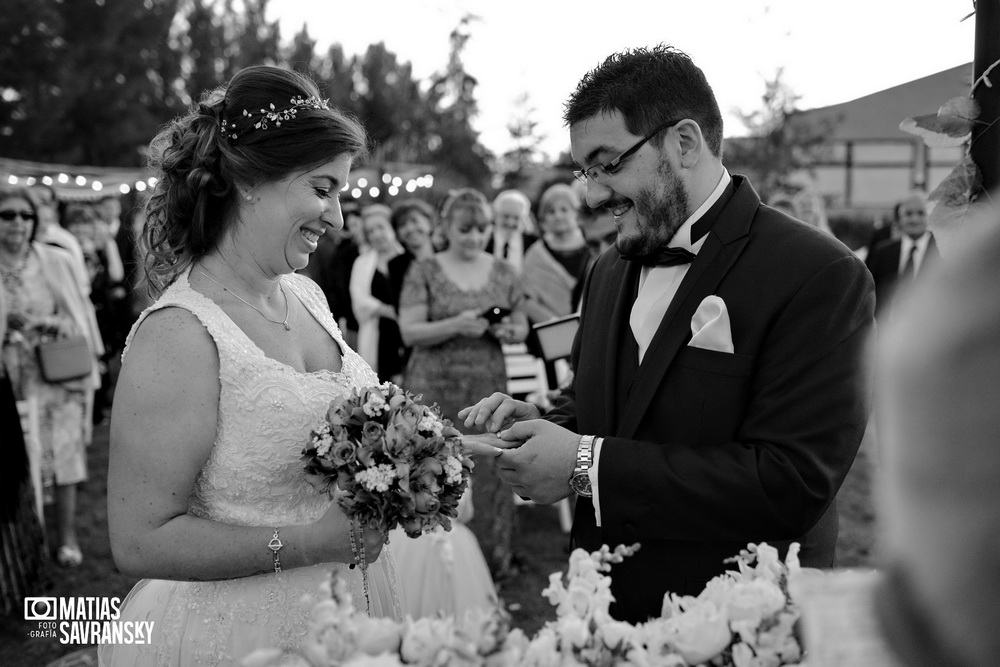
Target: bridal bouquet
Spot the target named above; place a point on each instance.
(398, 462)
(743, 618)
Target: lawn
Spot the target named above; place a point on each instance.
(541, 550)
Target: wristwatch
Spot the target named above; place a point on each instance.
(580, 481)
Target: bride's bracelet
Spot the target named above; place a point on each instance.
(275, 546)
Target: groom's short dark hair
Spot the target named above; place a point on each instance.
(649, 87)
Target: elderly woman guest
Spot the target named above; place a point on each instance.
(554, 268)
(224, 376)
(456, 352)
(44, 300)
(379, 342)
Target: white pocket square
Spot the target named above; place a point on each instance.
(710, 326)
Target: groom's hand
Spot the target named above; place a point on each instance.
(539, 469)
(497, 412)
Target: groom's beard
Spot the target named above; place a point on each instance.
(658, 215)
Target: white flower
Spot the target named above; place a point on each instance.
(377, 635)
(374, 406)
(572, 631)
(615, 634)
(430, 424)
(424, 639)
(323, 444)
(377, 478)
(700, 633)
(452, 470)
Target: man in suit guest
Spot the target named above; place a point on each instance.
(896, 262)
(692, 445)
(511, 227)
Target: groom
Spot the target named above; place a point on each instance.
(721, 389)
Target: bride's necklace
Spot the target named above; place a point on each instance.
(283, 322)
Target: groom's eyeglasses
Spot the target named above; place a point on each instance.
(599, 172)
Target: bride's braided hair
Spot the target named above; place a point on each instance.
(198, 166)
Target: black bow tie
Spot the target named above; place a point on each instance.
(666, 256)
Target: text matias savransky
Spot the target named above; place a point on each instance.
(84, 620)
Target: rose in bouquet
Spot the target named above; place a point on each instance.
(396, 461)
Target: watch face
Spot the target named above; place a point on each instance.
(580, 483)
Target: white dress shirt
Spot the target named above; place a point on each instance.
(657, 287)
(515, 249)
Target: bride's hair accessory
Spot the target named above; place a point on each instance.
(271, 115)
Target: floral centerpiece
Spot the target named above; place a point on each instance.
(743, 618)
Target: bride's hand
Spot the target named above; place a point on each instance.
(334, 531)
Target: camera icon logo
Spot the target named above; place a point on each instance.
(41, 609)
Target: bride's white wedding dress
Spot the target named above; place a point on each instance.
(254, 477)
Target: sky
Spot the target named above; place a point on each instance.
(830, 52)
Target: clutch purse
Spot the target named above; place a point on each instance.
(64, 359)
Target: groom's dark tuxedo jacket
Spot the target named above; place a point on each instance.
(705, 451)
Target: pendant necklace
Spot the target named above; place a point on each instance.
(283, 322)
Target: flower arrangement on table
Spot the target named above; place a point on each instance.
(743, 618)
(395, 461)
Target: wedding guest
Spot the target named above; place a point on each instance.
(351, 245)
(44, 301)
(23, 551)
(414, 222)
(554, 268)
(379, 342)
(720, 390)
(940, 424)
(107, 293)
(896, 263)
(512, 227)
(456, 354)
(224, 377)
(50, 231)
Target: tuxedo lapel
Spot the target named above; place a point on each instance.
(723, 245)
(622, 358)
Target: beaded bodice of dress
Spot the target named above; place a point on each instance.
(254, 475)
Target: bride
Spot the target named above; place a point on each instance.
(225, 375)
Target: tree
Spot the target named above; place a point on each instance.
(453, 143)
(523, 129)
(109, 81)
(777, 145)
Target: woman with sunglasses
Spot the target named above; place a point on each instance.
(44, 300)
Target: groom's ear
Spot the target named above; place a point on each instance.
(691, 142)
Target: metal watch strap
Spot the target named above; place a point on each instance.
(585, 453)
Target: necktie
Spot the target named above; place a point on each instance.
(666, 256)
(910, 270)
(506, 250)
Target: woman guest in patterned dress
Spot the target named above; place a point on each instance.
(456, 355)
(44, 300)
